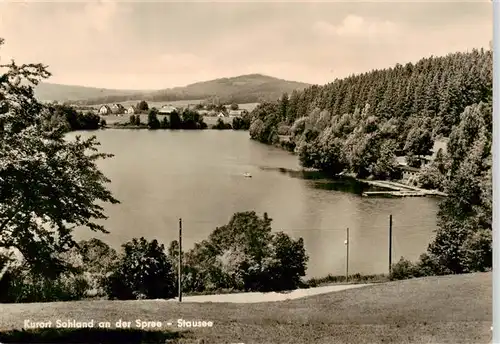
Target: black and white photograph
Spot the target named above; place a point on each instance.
(258, 172)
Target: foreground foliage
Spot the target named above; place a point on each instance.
(74, 119)
(245, 255)
(49, 185)
(143, 272)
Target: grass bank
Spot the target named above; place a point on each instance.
(445, 309)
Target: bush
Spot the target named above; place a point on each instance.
(257, 129)
(96, 255)
(478, 248)
(221, 125)
(431, 178)
(289, 261)
(97, 260)
(288, 145)
(284, 129)
(245, 255)
(241, 123)
(403, 269)
(23, 286)
(143, 271)
(20, 283)
(427, 265)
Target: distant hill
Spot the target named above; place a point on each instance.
(61, 93)
(241, 89)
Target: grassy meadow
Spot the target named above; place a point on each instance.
(445, 309)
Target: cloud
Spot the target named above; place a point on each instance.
(123, 44)
(356, 26)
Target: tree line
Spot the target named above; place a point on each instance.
(187, 119)
(73, 119)
(362, 122)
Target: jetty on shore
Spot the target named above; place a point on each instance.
(399, 190)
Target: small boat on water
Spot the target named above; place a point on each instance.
(247, 175)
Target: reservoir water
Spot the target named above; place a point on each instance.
(161, 176)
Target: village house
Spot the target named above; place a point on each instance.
(117, 109)
(132, 110)
(105, 110)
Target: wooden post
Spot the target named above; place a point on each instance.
(180, 261)
(347, 257)
(390, 244)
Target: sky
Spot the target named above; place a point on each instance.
(152, 45)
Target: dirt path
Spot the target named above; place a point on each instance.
(267, 297)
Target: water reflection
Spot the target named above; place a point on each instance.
(323, 182)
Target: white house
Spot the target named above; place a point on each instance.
(131, 110)
(105, 110)
(117, 109)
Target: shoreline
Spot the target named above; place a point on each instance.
(145, 127)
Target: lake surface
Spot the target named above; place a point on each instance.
(161, 176)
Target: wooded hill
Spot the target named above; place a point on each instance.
(363, 121)
(252, 88)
